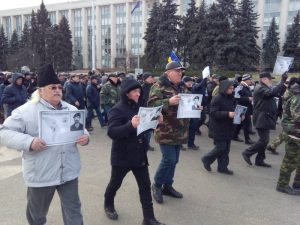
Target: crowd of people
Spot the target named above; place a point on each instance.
(114, 100)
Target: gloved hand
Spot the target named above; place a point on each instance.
(284, 77)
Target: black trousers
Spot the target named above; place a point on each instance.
(220, 152)
(141, 175)
(259, 147)
(246, 123)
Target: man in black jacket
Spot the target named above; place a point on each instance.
(264, 116)
(129, 151)
(149, 80)
(221, 127)
(245, 99)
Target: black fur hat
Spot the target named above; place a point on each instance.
(46, 76)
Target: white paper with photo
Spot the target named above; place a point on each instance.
(148, 118)
(237, 90)
(282, 64)
(58, 127)
(189, 105)
(239, 111)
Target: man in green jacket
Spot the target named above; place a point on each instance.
(172, 133)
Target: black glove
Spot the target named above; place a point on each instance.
(284, 77)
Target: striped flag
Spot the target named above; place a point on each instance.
(173, 57)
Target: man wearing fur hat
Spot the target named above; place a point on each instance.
(46, 169)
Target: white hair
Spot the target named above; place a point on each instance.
(35, 97)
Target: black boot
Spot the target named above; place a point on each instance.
(157, 194)
(110, 212)
(247, 158)
(152, 221)
(169, 190)
(287, 190)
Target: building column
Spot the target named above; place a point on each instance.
(128, 52)
(22, 21)
(98, 38)
(113, 35)
(284, 9)
(260, 21)
(84, 39)
(13, 21)
(57, 17)
(71, 24)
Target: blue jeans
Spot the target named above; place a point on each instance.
(90, 116)
(166, 169)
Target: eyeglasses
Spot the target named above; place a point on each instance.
(54, 88)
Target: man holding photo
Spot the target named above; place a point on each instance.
(46, 169)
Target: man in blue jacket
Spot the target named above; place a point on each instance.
(15, 94)
(93, 103)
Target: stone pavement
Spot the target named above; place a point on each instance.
(246, 198)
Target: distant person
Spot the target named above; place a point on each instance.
(15, 94)
(77, 125)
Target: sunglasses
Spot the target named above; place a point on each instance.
(54, 88)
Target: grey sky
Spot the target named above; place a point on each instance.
(12, 4)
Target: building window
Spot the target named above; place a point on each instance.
(120, 30)
(294, 6)
(64, 13)
(19, 26)
(272, 9)
(78, 38)
(90, 35)
(27, 19)
(8, 29)
(105, 37)
(185, 6)
(136, 30)
(52, 17)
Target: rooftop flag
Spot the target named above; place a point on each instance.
(137, 5)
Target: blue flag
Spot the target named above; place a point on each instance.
(137, 5)
(173, 57)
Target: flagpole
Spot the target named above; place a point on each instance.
(93, 37)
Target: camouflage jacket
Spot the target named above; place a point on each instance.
(291, 111)
(110, 93)
(172, 131)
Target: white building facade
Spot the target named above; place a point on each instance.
(119, 32)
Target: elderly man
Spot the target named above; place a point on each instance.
(264, 116)
(46, 169)
(172, 133)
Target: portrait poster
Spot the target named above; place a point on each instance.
(237, 91)
(58, 127)
(189, 106)
(240, 111)
(148, 118)
(282, 64)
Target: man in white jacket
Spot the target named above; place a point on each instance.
(46, 169)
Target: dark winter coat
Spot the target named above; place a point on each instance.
(74, 92)
(146, 90)
(245, 93)
(92, 95)
(220, 125)
(200, 88)
(128, 149)
(14, 95)
(264, 107)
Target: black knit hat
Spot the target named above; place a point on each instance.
(46, 76)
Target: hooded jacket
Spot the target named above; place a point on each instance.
(14, 95)
(74, 92)
(291, 111)
(128, 149)
(220, 125)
